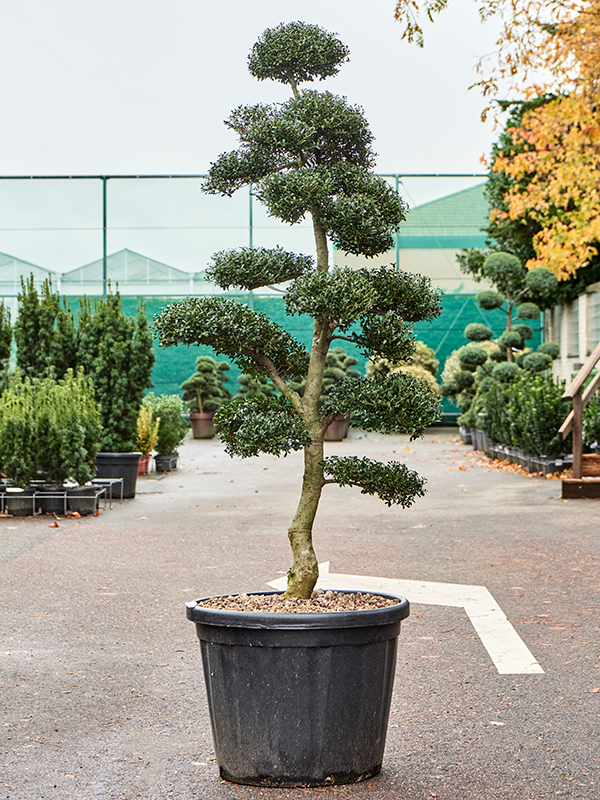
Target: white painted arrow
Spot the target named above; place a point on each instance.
(504, 645)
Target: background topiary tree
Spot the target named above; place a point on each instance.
(311, 156)
(520, 293)
(203, 391)
(422, 364)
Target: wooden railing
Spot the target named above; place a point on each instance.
(580, 400)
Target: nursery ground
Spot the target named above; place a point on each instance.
(102, 690)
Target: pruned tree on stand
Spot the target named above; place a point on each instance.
(311, 156)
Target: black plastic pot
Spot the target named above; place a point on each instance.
(52, 499)
(299, 699)
(119, 465)
(20, 504)
(165, 462)
(84, 499)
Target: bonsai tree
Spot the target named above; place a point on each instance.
(172, 428)
(255, 386)
(519, 293)
(311, 156)
(117, 352)
(204, 391)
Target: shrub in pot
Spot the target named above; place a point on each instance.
(308, 156)
(172, 428)
(204, 393)
(17, 444)
(53, 425)
(116, 351)
(147, 426)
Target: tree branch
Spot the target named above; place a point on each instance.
(275, 376)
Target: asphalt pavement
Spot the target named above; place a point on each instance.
(102, 690)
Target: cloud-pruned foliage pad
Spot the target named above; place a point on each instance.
(252, 267)
(393, 483)
(250, 426)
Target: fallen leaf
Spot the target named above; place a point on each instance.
(142, 517)
(53, 525)
(595, 691)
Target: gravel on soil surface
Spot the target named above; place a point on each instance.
(320, 601)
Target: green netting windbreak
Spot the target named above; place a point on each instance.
(444, 334)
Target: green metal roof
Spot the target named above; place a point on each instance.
(454, 221)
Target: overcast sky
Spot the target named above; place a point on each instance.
(142, 86)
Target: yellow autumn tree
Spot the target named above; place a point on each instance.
(554, 168)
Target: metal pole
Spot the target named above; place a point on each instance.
(397, 234)
(104, 253)
(250, 220)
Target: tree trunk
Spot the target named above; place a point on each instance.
(304, 573)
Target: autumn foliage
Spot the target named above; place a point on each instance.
(553, 166)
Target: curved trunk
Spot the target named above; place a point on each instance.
(304, 573)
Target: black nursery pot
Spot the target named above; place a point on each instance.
(299, 699)
(119, 465)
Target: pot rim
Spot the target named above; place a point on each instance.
(290, 621)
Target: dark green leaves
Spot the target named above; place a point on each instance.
(386, 336)
(249, 268)
(249, 426)
(378, 296)
(393, 483)
(296, 51)
(398, 403)
(477, 332)
(341, 295)
(410, 296)
(234, 330)
(319, 129)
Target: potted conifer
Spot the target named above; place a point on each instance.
(303, 698)
(204, 393)
(116, 351)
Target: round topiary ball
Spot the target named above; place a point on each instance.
(489, 300)
(505, 372)
(502, 267)
(536, 362)
(472, 357)
(541, 281)
(511, 339)
(449, 389)
(498, 355)
(477, 332)
(486, 384)
(463, 380)
(519, 359)
(524, 331)
(550, 349)
(528, 311)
